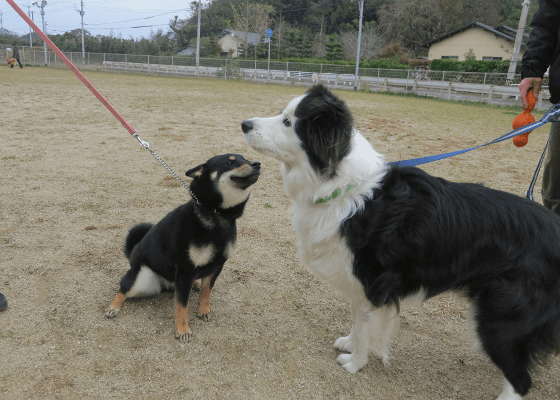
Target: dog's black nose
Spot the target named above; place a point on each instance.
(255, 164)
(246, 126)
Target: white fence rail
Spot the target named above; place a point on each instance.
(492, 88)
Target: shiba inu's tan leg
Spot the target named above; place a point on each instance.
(204, 299)
(182, 330)
(115, 306)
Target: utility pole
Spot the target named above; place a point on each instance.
(30, 14)
(518, 39)
(198, 38)
(42, 7)
(361, 5)
(82, 14)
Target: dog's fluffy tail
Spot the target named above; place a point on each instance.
(135, 235)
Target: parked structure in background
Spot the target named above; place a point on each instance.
(231, 41)
(487, 43)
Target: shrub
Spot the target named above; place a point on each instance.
(473, 66)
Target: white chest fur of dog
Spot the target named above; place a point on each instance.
(380, 234)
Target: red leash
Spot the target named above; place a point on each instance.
(72, 67)
(102, 99)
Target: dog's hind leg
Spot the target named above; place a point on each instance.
(137, 282)
(508, 349)
(509, 392)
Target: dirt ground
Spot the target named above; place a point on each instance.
(72, 181)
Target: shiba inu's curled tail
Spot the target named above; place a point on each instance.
(135, 235)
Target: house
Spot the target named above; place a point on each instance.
(187, 51)
(487, 43)
(231, 40)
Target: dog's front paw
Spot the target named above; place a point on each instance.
(112, 312)
(344, 344)
(184, 337)
(351, 363)
(203, 316)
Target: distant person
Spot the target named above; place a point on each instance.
(543, 52)
(3, 302)
(16, 54)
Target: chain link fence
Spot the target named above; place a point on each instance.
(100, 60)
(468, 86)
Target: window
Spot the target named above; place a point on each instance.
(491, 58)
(456, 58)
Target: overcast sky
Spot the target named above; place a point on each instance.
(136, 18)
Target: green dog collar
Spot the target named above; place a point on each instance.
(334, 194)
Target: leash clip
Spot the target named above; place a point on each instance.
(145, 145)
(553, 114)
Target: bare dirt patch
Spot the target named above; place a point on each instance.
(72, 182)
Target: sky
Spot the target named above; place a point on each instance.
(129, 18)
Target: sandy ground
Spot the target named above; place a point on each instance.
(72, 181)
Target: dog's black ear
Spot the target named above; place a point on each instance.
(195, 172)
(324, 126)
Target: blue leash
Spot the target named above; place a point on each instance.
(552, 115)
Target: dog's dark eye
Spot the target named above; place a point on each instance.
(230, 162)
(287, 122)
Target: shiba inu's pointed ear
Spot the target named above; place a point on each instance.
(196, 172)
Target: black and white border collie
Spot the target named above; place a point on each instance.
(381, 233)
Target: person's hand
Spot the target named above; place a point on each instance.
(526, 85)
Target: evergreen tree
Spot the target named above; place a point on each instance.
(334, 48)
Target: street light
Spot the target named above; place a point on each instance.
(42, 7)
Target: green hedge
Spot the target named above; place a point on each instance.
(473, 66)
(385, 63)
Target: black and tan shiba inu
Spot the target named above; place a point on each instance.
(191, 242)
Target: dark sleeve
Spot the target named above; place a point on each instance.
(542, 40)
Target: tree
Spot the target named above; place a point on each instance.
(371, 44)
(415, 22)
(252, 18)
(162, 41)
(334, 48)
(299, 44)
